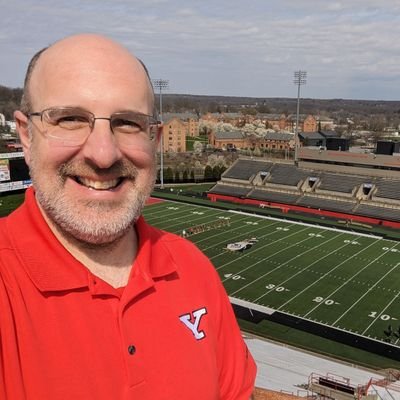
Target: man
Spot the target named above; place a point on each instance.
(96, 304)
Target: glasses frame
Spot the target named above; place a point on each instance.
(153, 119)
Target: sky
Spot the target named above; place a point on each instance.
(350, 49)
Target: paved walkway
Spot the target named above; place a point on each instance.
(283, 368)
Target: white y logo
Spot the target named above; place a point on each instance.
(192, 321)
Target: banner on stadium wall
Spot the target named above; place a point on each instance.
(17, 185)
(4, 170)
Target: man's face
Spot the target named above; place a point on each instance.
(95, 191)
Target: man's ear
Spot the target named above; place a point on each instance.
(21, 121)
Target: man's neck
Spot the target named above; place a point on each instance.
(111, 262)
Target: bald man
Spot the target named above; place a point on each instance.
(95, 303)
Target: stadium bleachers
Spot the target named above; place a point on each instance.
(388, 189)
(338, 187)
(286, 174)
(278, 197)
(245, 169)
(230, 190)
(341, 183)
(327, 204)
(378, 212)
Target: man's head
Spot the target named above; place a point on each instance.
(90, 181)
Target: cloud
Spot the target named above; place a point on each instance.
(227, 47)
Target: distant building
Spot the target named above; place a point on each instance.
(277, 141)
(176, 127)
(236, 119)
(228, 140)
(174, 135)
(325, 123)
(307, 123)
(239, 140)
(273, 121)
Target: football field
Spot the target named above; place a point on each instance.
(345, 280)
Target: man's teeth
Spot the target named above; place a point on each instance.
(99, 185)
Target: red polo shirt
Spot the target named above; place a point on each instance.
(66, 334)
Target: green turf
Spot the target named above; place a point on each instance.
(336, 278)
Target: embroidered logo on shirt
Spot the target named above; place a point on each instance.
(192, 321)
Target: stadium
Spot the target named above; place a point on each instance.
(311, 246)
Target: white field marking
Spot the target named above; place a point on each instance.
(272, 270)
(311, 225)
(305, 268)
(160, 214)
(349, 279)
(253, 231)
(369, 289)
(193, 220)
(247, 233)
(321, 277)
(233, 229)
(261, 247)
(251, 305)
(379, 315)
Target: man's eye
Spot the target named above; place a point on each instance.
(72, 121)
(128, 125)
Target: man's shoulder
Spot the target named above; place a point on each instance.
(4, 236)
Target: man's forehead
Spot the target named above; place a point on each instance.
(84, 50)
(90, 56)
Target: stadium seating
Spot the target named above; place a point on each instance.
(286, 174)
(230, 190)
(340, 182)
(278, 182)
(378, 212)
(327, 204)
(246, 169)
(278, 197)
(388, 188)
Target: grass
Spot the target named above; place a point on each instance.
(332, 277)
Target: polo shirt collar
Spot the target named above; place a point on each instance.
(52, 268)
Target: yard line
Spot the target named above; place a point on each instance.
(247, 233)
(352, 277)
(193, 219)
(375, 284)
(326, 228)
(262, 247)
(273, 270)
(229, 230)
(305, 268)
(323, 276)
(379, 315)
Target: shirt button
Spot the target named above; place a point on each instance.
(131, 349)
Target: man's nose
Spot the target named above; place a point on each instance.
(101, 146)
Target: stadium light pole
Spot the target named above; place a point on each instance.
(300, 78)
(161, 84)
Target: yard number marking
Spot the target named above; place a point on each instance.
(391, 250)
(328, 302)
(233, 277)
(271, 286)
(352, 242)
(383, 317)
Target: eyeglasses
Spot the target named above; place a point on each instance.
(71, 126)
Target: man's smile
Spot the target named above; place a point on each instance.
(98, 185)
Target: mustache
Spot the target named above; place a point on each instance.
(121, 168)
